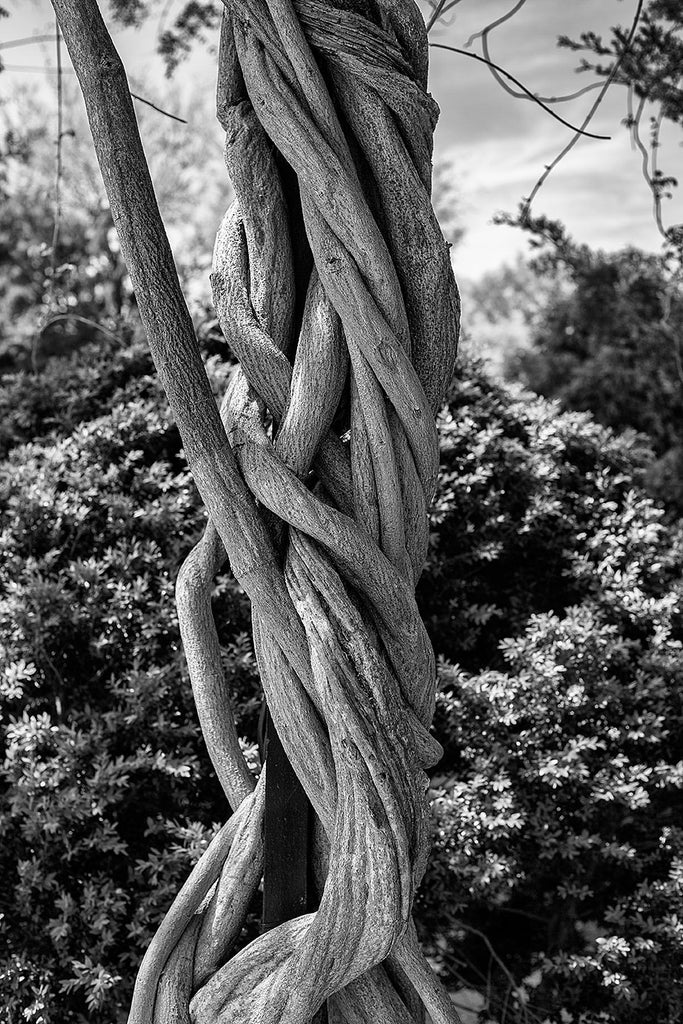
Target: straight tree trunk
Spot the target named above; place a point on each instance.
(333, 287)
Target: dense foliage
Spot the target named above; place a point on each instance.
(556, 802)
(608, 342)
(107, 795)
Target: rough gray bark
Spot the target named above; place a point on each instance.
(331, 552)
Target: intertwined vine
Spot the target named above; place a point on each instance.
(334, 289)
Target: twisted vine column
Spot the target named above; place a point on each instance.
(333, 287)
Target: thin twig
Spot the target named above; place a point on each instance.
(26, 41)
(81, 320)
(483, 33)
(649, 159)
(492, 953)
(656, 189)
(50, 291)
(570, 145)
(70, 71)
(493, 1000)
(436, 13)
(483, 60)
(566, 98)
(155, 107)
(440, 8)
(60, 130)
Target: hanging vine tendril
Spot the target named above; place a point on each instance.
(333, 287)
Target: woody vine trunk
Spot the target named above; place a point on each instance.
(333, 287)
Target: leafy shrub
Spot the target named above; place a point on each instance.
(556, 806)
(108, 796)
(71, 391)
(523, 489)
(557, 801)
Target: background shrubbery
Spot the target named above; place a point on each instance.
(556, 883)
(552, 596)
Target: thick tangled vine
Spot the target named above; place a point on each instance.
(333, 286)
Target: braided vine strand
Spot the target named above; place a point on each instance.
(257, 984)
(329, 560)
(271, 979)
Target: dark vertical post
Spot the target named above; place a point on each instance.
(285, 876)
(286, 889)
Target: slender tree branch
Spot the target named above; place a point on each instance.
(166, 113)
(26, 41)
(649, 162)
(484, 32)
(440, 8)
(50, 291)
(70, 71)
(566, 98)
(492, 953)
(529, 94)
(526, 206)
(81, 320)
(436, 14)
(484, 35)
(656, 186)
(59, 169)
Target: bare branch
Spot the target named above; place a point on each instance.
(440, 8)
(436, 14)
(529, 94)
(80, 320)
(26, 41)
(524, 95)
(60, 129)
(50, 292)
(526, 206)
(166, 113)
(497, 959)
(656, 183)
(648, 159)
(483, 33)
(70, 71)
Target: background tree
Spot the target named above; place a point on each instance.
(608, 342)
(79, 273)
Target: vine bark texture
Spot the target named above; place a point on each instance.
(334, 289)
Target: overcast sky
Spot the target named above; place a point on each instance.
(497, 145)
